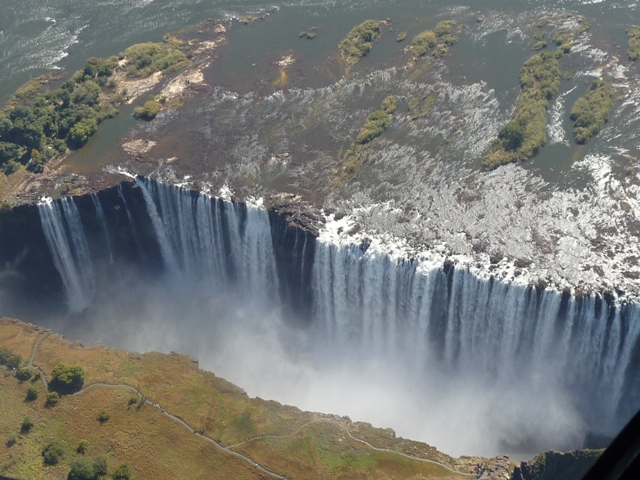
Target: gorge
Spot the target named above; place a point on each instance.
(313, 316)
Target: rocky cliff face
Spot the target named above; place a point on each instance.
(557, 466)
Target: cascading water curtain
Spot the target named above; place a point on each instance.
(67, 241)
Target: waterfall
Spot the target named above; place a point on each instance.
(204, 238)
(103, 224)
(67, 242)
(414, 313)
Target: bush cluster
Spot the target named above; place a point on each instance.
(147, 112)
(359, 41)
(591, 111)
(442, 37)
(525, 134)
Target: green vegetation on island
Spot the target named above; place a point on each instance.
(420, 107)
(525, 134)
(633, 49)
(375, 124)
(148, 111)
(591, 111)
(540, 45)
(308, 35)
(37, 125)
(145, 59)
(442, 37)
(401, 36)
(359, 41)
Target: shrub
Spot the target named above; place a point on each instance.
(82, 469)
(103, 417)
(27, 425)
(390, 104)
(65, 378)
(12, 438)
(148, 111)
(133, 400)
(24, 374)
(359, 41)
(52, 453)
(52, 399)
(401, 36)
(123, 472)
(82, 447)
(32, 393)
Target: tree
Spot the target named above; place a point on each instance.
(24, 374)
(32, 393)
(67, 377)
(82, 469)
(52, 399)
(81, 132)
(52, 453)
(123, 472)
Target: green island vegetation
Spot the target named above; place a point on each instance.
(539, 35)
(359, 41)
(142, 442)
(540, 45)
(308, 35)
(633, 50)
(401, 36)
(375, 124)
(525, 134)
(591, 111)
(441, 37)
(148, 111)
(145, 59)
(419, 107)
(38, 125)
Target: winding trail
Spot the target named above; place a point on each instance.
(346, 430)
(228, 450)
